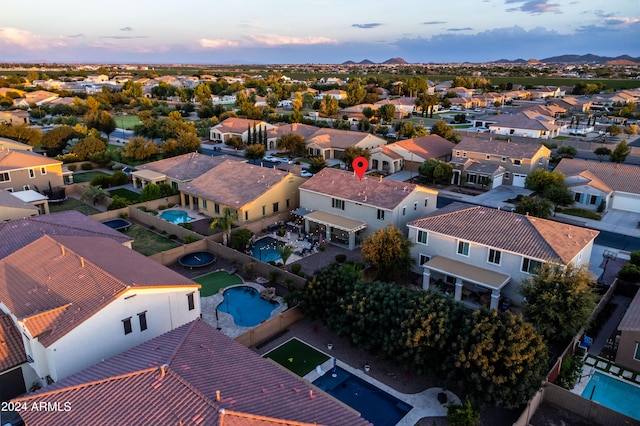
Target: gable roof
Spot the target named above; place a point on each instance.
(376, 192)
(191, 375)
(8, 199)
(303, 130)
(238, 125)
(56, 282)
(631, 319)
(235, 184)
(11, 346)
(16, 160)
(618, 177)
(526, 235)
(6, 143)
(430, 146)
(528, 120)
(19, 233)
(336, 138)
(502, 148)
(186, 167)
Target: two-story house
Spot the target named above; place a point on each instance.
(628, 353)
(484, 253)
(410, 154)
(253, 192)
(479, 162)
(342, 209)
(24, 170)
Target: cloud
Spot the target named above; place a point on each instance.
(126, 29)
(534, 7)
(460, 29)
(218, 43)
(250, 23)
(12, 39)
(280, 40)
(124, 37)
(76, 35)
(434, 22)
(366, 26)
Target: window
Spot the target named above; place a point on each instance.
(494, 256)
(216, 208)
(32, 173)
(276, 207)
(43, 170)
(204, 204)
(126, 323)
(464, 154)
(10, 189)
(472, 178)
(142, 318)
(530, 266)
(516, 162)
(576, 197)
(463, 248)
(636, 354)
(264, 210)
(26, 187)
(504, 159)
(174, 185)
(593, 199)
(426, 201)
(457, 153)
(423, 259)
(4, 177)
(246, 215)
(415, 206)
(191, 301)
(337, 204)
(287, 203)
(507, 176)
(380, 214)
(423, 237)
(404, 210)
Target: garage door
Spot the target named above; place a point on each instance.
(12, 384)
(629, 203)
(497, 180)
(518, 180)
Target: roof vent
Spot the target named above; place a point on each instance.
(218, 397)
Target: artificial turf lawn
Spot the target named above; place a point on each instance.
(134, 197)
(82, 176)
(297, 357)
(213, 282)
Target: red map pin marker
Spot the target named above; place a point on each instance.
(360, 165)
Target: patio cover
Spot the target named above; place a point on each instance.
(470, 273)
(301, 211)
(149, 175)
(339, 222)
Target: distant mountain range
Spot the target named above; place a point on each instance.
(392, 61)
(578, 59)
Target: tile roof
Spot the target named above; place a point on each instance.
(235, 184)
(336, 138)
(56, 282)
(619, 177)
(11, 346)
(18, 233)
(631, 319)
(509, 149)
(8, 199)
(238, 125)
(430, 146)
(187, 167)
(303, 130)
(528, 120)
(526, 235)
(193, 375)
(376, 192)
(16, 160)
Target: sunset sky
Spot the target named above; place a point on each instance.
(315, 31)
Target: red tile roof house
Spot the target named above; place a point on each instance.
(409, 154)
(594, 182)
(303, 130)
(16, 377)
(344, 210)
(193, 375)
(488, 252)
(78, 300)
(239, 127)
(331, 143)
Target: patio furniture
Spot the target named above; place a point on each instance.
(585, 343)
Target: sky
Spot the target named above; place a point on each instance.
(314, 31)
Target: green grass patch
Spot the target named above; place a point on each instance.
(297, 356)
(129, 121)
(587, 214)
(134, 197)
(213, 282)
(561, 138)
(72, 204)
(81, 177)
(148, 242)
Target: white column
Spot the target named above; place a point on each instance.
(495, 299)
(426, 278)
(306, 226)
(327, 233)
(352, 240)
(458, 295)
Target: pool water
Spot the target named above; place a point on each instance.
(615, 394)
(246, 306)
(374, 404)
(266, 250)
(176, 216)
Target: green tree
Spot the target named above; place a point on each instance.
(224, 222)
(387, 112)
(620, 153)
(389, 252)
(441, 128)
(534, 206)
(567, 151)
(559, 195)
(291, 143)
(351, 153)
(56, 139)
(614, 130)
(88, 147)
(285, 251)
(355, 94)
(316, 164)
(559, 300)
(95, 194)
(539, 179)
(254, 152)
(443, 172)
(240, 239)
(22, 133)
(202, 94)
(462, 415)
(329, 106)
(602, 152)
(140, 149)
(151, 191)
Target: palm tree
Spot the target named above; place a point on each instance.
(285, 251)
(94, 194)
(224, 222)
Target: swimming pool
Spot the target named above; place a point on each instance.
(613, 393)
(266, 250)
(246, 306)
(176, 216)
(375, 405)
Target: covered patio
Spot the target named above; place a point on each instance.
(337, 229)
(140, 178)
(458, 274)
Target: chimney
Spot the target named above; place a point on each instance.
(82, 261)
(63, 252)
(218, 396)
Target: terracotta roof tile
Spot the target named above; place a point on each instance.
(237, 125)
(619, 177)
(204, 372)
(509, 149)
(11, 346)
(430, 146)
(187, 167)
(340, 138)
(377, 192)
(526, 235)
(16, 160)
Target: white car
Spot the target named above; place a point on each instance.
(272, 159)
(306, 173)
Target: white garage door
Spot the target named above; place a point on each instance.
(497, 181)
(629, 203)
(518, 180)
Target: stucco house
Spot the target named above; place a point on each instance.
(409, 154)
(10, 144)
(615, 186)
(404, 104)
(628, 353)
(12, 207)
(331, 143)
(526, 123)
(253, 192)
(76, 305)
(24, 170)
(239, 127)
(483, 253)
(193, 375)
(340, 208)
(16, 117)
(478, 162)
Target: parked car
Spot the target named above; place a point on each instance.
(272, 159)
(306, 173)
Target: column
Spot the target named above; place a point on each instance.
(352, 240)
(191, 202)
(182, 200)
(327, 234)
(426, 278)
(495, 299)
(306, 226)
(458, 295)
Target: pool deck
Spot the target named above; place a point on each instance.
(224, 321)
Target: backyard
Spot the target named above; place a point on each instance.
(148, 242)
(72, 204)
(82, 177)
(213, 282)
(131, 196)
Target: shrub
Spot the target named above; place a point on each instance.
(185, 225)
(118, 203)
(570, 372)
(124, 215)
(635, 258)
(103, 181)
(273, 277)
(296, 267)
(173, 237)
(301, 274)
(162, 207)
(321, 247)
(86, 166)
(142, 208)
(153, 212)
(119, 178)
(629, 272)
(188, 239)
(171, 205)
(72, 167)
(340, 258)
